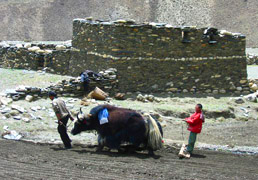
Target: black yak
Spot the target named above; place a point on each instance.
(124, 126)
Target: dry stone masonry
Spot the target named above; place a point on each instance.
(72, 87)
(149, 57)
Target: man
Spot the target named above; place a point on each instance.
(85, 79)
(62, 115)
(194, 126)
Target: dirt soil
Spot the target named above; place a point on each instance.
(226, 130)
(20, 160)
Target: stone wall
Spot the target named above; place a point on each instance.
(126, 39)
(148, 57)
(155, 57)
(72, 87)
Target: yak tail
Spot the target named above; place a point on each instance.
(154, 135)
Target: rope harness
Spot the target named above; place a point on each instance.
(182, 131)
(68, 125)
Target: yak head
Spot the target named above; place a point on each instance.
(83, 123)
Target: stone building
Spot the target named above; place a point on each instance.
(149, 57)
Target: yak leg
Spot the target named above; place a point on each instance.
(150, 152)
(119, 150)
(101, 142)
(99, 148)
(131, 149)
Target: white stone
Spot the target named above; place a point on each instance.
(47, 51)
(40, 51)
(251, 97)
(27, 45)
(27, 120)
(18, 108)
(208, 91)
(171, 84)
(123, 21)
(19, 46)
(29, 98)
(4, 44)
(239, 88)
(254, 87)
(17, 117)
(34, 48)
(222, 91)
(224, 32)
(6, 101)
(215, 91)
(60, 47)
(185, 91)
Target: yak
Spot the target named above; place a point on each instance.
(124, 126)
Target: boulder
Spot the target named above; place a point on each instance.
(14, 113)
(17, 117)
(18, 108)
(29, 98)
(27, 120)
(251, 97)
(149, 98)
(16, 97)
(120, 96)
(140, 97)
(5, 110)
(27, 45)
(254, 87)
(6, 101)
(239, 100)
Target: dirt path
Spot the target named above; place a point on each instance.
(20, 160)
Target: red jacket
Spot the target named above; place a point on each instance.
(195, 122)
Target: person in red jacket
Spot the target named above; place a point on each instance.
(194, 126)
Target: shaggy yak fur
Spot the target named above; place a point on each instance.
(124, 126)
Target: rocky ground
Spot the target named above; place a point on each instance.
(231, 125)
(230, 121)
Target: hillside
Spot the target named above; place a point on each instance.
(52, 19)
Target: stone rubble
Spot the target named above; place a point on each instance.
(10, 134)
(253, 84)
(68, 87)
(147, 98)
(252, 59)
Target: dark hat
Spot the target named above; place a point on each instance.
(52, 93)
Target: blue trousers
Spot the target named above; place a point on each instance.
(191, 142)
